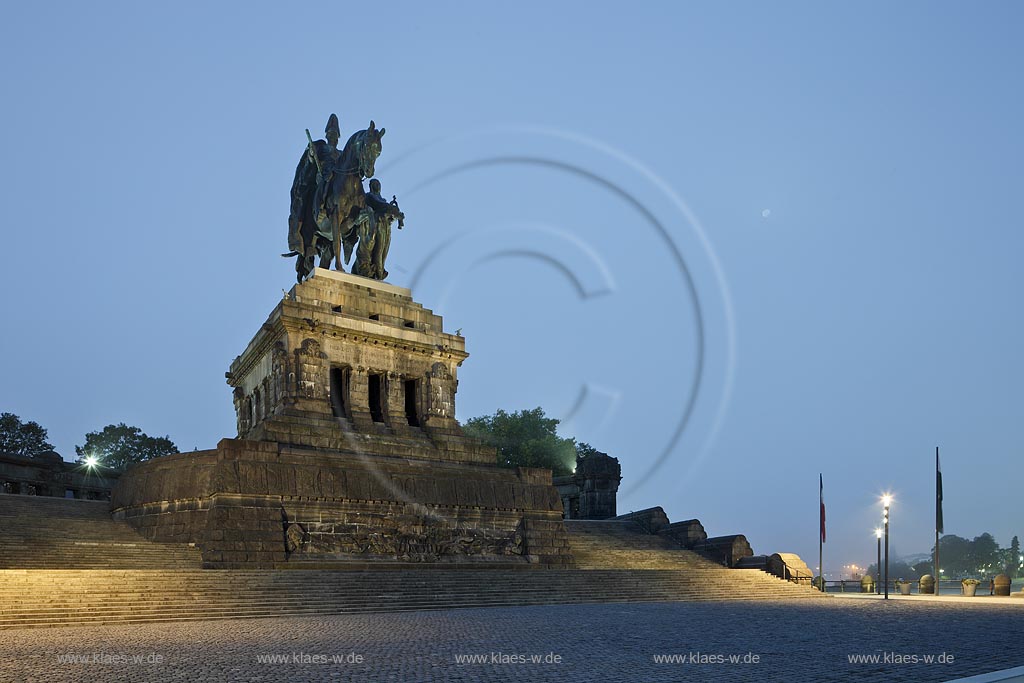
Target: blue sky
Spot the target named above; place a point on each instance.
(800, 220)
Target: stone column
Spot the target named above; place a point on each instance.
(396, 417)
(439, 413)
(242, 422)
(281, 392)
(312, 379)
(359, 397)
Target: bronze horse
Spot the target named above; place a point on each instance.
(328, 221)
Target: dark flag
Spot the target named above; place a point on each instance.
(821, 499)
(938, 494)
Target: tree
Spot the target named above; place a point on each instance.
(526, 438)
(954, 556)
(960, 557)
(1013, 559)
(22, 438)
(985, 556)
(924, 567)
(119, 445)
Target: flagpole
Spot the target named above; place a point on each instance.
(821, 527)
(821, 566)
(938, 515)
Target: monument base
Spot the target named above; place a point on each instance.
(348, 450)
(259, 504)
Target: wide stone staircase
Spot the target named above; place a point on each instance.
(617, 563)
(39, 532)
(606, 544)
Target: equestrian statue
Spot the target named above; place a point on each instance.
(330, 210)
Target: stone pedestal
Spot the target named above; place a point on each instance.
(345, 362)
(348, 450)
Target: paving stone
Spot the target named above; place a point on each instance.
(798, 641)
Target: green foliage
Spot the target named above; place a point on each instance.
(1012, 562)
(119, 445)
(984, 555)
(923, 567)
(525, 438)
(22, 438)
(954, 556)
(959, 557)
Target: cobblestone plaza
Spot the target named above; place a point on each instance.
(760, 641)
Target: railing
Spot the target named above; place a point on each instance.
(850, 586)
(796, 575)
(944, 587)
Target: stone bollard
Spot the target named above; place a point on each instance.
(1002, 585)
(926, 585)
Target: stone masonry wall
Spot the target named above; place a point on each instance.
(167, 499)
(257, 504)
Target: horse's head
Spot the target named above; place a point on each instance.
(369, 150)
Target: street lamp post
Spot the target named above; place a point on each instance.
(878, 564)
(886, 500)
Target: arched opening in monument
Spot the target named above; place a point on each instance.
(257, 407)
(339, 391)
(411, 413)
(377, 394)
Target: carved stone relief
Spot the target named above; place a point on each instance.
(311, 363)
(442, 394)
(412, 543)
